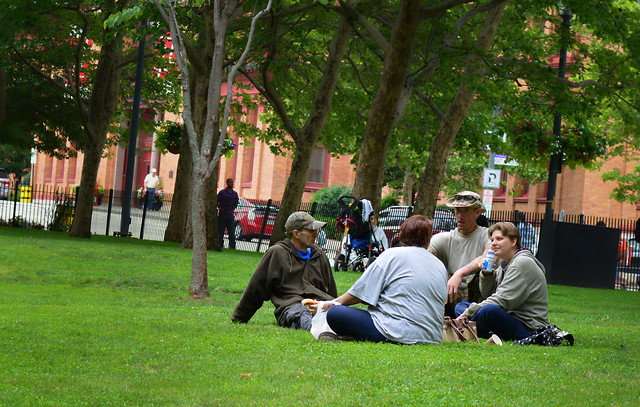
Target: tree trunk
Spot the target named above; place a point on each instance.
(200, 89)
(456, 113)
(370, 172)
(199, 287)
(3, 94)
(408, 187)
(293, 190)
(175, 231)
(307, 138)
(102, 107)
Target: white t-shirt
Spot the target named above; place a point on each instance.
(380, 236)
(457, 250)
(151, 181)
(405, 288)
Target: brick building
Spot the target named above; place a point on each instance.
(259, 174)
(578, 191)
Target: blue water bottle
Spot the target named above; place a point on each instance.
(488, 261)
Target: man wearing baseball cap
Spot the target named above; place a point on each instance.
(291, 270)
(462, 249)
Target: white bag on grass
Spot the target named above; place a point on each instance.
(319, 322)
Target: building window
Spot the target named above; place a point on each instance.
(521, 191)
(48, 168)
(71, 170)
(318, 175)
(247, 162)
(59, 170)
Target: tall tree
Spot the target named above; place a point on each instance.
(520, 78)
(384, 110)
(474, 72)
(76, 60)
(15, 161)
(304, 135)
(96, 102)
(205, 155)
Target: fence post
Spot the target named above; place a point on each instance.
(265, 219)
(109, 206)
(312, 211)
(144, 214)
(15, 205)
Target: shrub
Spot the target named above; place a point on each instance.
(390, 200)
(330, 195)
(327, 206)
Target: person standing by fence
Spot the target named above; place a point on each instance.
(227, 203)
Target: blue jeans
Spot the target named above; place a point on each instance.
(151, 193)
(354, 322)
(494, 319)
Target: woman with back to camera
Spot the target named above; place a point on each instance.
(516, 301)
(405, 290)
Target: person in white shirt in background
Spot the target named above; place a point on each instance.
(151, 182)
(379, 234)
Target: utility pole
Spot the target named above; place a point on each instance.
(125, 218)
(555, 165)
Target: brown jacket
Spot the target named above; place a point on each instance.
(283, 277)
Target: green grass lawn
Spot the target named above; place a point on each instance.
(108, 322)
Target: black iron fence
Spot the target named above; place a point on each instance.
(51, 208)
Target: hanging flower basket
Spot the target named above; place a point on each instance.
(229, 148)
(529, 137)
(581, 146)
(169, 137)
(174, 148)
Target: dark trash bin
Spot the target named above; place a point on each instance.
(579, 255)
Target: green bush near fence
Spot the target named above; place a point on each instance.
(389, 200)
(107, 321)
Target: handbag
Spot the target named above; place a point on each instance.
(459, 330)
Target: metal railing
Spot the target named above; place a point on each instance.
(51, 208)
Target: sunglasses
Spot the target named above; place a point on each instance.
(466, 198)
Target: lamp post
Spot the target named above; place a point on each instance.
(555, 165)
(125, 218)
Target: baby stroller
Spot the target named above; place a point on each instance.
(359, 245)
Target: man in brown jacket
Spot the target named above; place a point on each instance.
(291, 270)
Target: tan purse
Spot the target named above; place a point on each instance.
(459, 331)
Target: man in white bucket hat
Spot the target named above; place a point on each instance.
(462, 249)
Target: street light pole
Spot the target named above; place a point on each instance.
(125, 218)
(555, 165)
